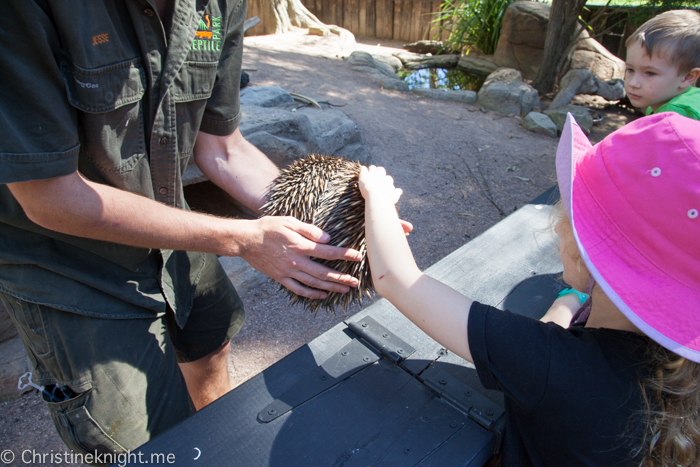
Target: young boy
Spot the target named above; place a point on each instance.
(663, 64)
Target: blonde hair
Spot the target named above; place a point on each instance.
(672, 397)
(671, 393)
(677, 32)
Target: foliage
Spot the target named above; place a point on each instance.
(472, 24)
(651, 8)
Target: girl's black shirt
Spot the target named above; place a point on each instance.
(572, 395)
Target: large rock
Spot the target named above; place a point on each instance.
(540, 123)
(504, 74)
(420, 62)
(584, 82)
(521, 44)
(265, 96)
(285, 136)
(389, 60)
(361, 60)
(381, 71)
(479, 65)
(523, 32)
(592, 56)
(285, 133)
(580, 113)
(425, 47)
(466, 97)
(509, 98)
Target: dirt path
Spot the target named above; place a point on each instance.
(449, 159)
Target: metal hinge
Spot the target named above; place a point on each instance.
(478, 407)
(388, 343)
(347, 361)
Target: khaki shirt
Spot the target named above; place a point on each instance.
(104, 87)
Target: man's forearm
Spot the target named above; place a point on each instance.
(279, 247)
(76, 206)
(236, 166)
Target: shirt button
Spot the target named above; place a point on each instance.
(163, 191)
(149, 12)
(164, 141)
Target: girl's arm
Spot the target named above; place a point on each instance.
(562, 310)
(440, 311)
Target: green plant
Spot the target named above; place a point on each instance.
(652, 8)
(472, 24)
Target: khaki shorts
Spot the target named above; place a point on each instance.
(124, 373)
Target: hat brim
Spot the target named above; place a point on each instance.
(662, 306)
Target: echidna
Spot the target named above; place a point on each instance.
(323, 191)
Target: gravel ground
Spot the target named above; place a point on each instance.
(461, 169)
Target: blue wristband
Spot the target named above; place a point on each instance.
(581, 296)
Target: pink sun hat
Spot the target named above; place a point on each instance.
(633, 200)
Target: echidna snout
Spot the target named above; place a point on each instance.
(323, 190)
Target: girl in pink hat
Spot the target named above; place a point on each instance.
(621, 386)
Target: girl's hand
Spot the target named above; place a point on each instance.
(376, 184)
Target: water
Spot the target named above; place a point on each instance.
(441, 78)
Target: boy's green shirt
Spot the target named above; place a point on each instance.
(686, 104)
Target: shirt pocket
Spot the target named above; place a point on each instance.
(190, 90)
(194, 81)
(109, 99)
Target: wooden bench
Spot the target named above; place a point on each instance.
(374, 389)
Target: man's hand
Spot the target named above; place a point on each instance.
(280, 247)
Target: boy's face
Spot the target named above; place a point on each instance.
(651, 81)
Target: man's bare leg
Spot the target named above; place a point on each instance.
(207, 379)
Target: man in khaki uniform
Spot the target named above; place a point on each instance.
(112, 282)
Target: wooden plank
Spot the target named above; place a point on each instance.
(406, 20)
(335, 12)
(310, 5)
(445, 35)
(319, 11)
(347, 14)
(416, 21)
(371, 18)
(398, 18)
(362, 18)
(266, 14)
(426, 20)
(390, 18)
(435, 29)
(382, 30)
(354, 24)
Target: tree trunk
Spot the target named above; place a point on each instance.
(279, 16)
(562, 30)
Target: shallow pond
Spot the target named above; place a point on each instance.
(441, 78)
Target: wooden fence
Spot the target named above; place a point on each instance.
(399, 20)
